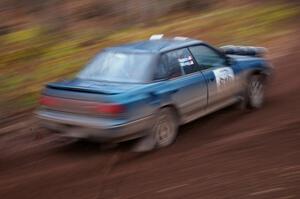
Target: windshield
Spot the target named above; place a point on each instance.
(118, 67)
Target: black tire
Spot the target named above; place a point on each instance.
(255, 92)
(163, 133)
(165, 128)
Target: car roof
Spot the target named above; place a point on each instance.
(155, 46)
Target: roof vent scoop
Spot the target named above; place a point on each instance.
(156, 37)
(244, 50)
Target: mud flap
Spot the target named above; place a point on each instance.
(144, 144)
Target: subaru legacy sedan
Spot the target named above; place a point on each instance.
(147, 89)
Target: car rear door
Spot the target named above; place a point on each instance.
(219, 75)
(185, 83)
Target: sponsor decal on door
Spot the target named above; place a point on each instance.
(224, 77)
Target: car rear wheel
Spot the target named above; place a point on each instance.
(255, 92)
(163, 132)
(165, 128)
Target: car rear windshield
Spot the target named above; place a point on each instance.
(118, 67)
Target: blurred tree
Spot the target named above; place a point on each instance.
(57, 15)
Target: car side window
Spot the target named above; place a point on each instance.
(176, 63)
(207, 57)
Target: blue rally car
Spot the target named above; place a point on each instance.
(147, 89)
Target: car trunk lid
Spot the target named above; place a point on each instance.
(85, 86)
(85, 97)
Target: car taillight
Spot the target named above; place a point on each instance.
(49, 101)
(110, 109)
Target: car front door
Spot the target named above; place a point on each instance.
(185, 83)
(219, 75)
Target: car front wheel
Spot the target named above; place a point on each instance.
(255, 92)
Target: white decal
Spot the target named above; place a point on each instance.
(188, 61)
(224, 76)
(185, 59)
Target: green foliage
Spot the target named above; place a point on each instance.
(25, 35)
(62, 49)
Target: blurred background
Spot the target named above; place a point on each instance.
(42, 41)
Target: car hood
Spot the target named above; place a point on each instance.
(109, 88)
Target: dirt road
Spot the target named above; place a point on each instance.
(228, 154)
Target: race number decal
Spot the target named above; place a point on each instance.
(224, 76)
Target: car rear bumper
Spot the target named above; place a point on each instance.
(78, 126)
